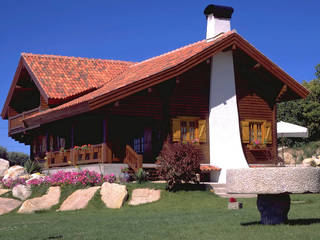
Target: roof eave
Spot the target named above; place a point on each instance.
(227, 42)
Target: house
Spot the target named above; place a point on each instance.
(220, 92)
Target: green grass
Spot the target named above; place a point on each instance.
(179, 215)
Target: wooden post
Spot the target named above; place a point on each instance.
(104, 153)
(104, 130)
(72, 158)
(72, 135)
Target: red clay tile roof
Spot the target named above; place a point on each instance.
(131, 75)
(62, 77)
(141, 70)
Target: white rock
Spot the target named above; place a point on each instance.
(8, 204)
(42, 203)
(307, 162)
(113, 195)
(144, 195)
(4, 165)
(3, 191)
(317, 161)
(14, 172)
(78, 199)
(21, 191)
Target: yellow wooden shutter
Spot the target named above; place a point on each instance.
(202, 131)
(268, 133)
(175, 130)
(245, 131)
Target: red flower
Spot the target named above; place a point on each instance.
(232, 199)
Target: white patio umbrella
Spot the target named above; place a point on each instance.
(285, 129)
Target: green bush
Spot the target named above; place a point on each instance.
(141, 176)
(32, 166)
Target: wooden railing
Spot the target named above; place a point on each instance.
(16, 122)
(133, 159)
(90, 154)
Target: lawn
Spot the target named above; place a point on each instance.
(180, 215)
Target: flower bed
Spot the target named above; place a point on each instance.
(61, 178)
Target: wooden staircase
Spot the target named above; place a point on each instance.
(221, 190)
(133, 159)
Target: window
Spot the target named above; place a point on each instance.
(188, 129)
(256, 132)
(138, 145)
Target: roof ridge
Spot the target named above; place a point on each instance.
(166, 53)
(75, 58)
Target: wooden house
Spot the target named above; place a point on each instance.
(220, 93)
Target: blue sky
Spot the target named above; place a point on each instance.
(285, 31)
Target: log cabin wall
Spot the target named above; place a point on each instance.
(151, 111)
(256, 93)
(191, 98)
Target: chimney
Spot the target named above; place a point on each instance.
(218, 20)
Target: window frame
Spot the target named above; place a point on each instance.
(188, 120)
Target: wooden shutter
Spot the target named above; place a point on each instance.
(202, 131)
(245, 131)
(268, 133)
(175, 130)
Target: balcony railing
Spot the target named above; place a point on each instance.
(77, 156)
(16, 122)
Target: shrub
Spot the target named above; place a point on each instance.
(32, 166)
(179, 163)
(141, 176)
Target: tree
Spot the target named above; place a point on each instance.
(14, 158)
(3, 153)
(305, 112)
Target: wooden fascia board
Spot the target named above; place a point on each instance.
(58, 114)
(161, 76)
(35, 80)
(271, 67)
(4, 112)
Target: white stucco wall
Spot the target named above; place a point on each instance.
(225, 142)
(216, 26)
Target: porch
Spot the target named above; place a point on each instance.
(91, 154)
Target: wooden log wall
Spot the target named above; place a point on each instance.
(254, 103)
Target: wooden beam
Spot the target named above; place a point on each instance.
(257, 66)
(282, 91)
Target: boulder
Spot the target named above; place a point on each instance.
(308, 162)
(79, 199)
(14, 172)
(44, 202)
(289, 159)
(3, 191)
(4, 165)
(113, 195)
(144, 195)
(8, 204)
(317, 161)
(21, 191)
